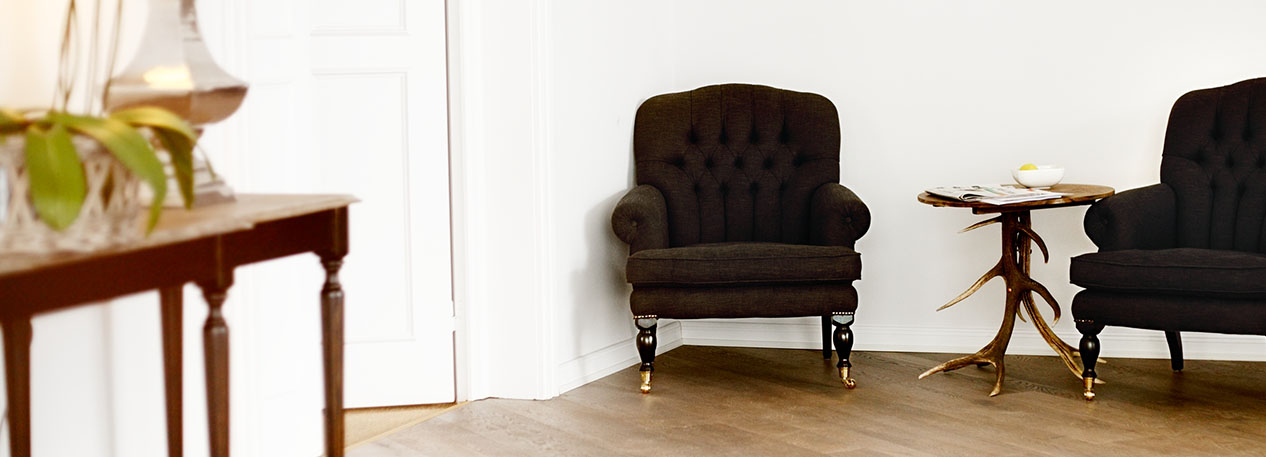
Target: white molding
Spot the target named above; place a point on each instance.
(400, 28)
(1115, 341)
(333, 73)
(598, 364)
(487, 306)
(399, 76)
(359, 31)
(542, 193)
(465, 81)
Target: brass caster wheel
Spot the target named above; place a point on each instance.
(849, 383)
(646, 382)
(1090, 389)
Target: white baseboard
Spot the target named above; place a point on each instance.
(805, 333)
(597, 364)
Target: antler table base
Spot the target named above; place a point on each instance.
(1013, 268)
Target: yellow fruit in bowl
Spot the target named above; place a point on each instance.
(1038, 177)
(1028, 166)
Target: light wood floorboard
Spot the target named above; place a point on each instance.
(715, 401)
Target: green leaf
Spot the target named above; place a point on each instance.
(157, 118)
(129, 147)
(181, 153)
(56, 175)
(176, 136)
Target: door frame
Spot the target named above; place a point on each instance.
(504, 339)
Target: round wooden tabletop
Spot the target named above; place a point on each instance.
(1075, 194)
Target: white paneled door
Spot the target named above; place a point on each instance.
(351, 97)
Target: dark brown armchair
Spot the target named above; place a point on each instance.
(738, 212)
(1185, 254)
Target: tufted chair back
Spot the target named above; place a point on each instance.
(1215, 151)
(737, 162)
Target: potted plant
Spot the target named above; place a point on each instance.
(61, 167)
(55, 171)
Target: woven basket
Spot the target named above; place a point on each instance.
(109, 216)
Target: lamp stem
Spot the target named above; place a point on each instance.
(114, 53)
(67, 67)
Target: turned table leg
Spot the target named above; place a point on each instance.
(1013, 267)
(332, 332)
(171, 307)
(215, 340)
(332, 346)
(17, 377)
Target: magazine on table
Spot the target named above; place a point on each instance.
(994, 195)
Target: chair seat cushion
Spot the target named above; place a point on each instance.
(1181, 271)
(729, 301)
(1171, 312)
(744, 263)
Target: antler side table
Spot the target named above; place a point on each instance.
(1013, 267)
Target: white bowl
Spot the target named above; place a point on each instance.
(1043, 177)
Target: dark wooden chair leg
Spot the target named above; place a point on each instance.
(332, 350)
(215, 341)
(171, 307)
(1175, 350)
(17, 377)
(843, 339)
(826, 337)
(1089, 355)
(646, 326)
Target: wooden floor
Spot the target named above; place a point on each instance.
(712, 401)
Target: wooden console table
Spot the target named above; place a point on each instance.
(1017, 233)
(202, 246)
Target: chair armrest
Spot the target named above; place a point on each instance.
(1141, 218)
(837, 217)
(641, 219)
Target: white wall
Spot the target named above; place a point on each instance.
(597, 87)
(543, 100)
(929, 93)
